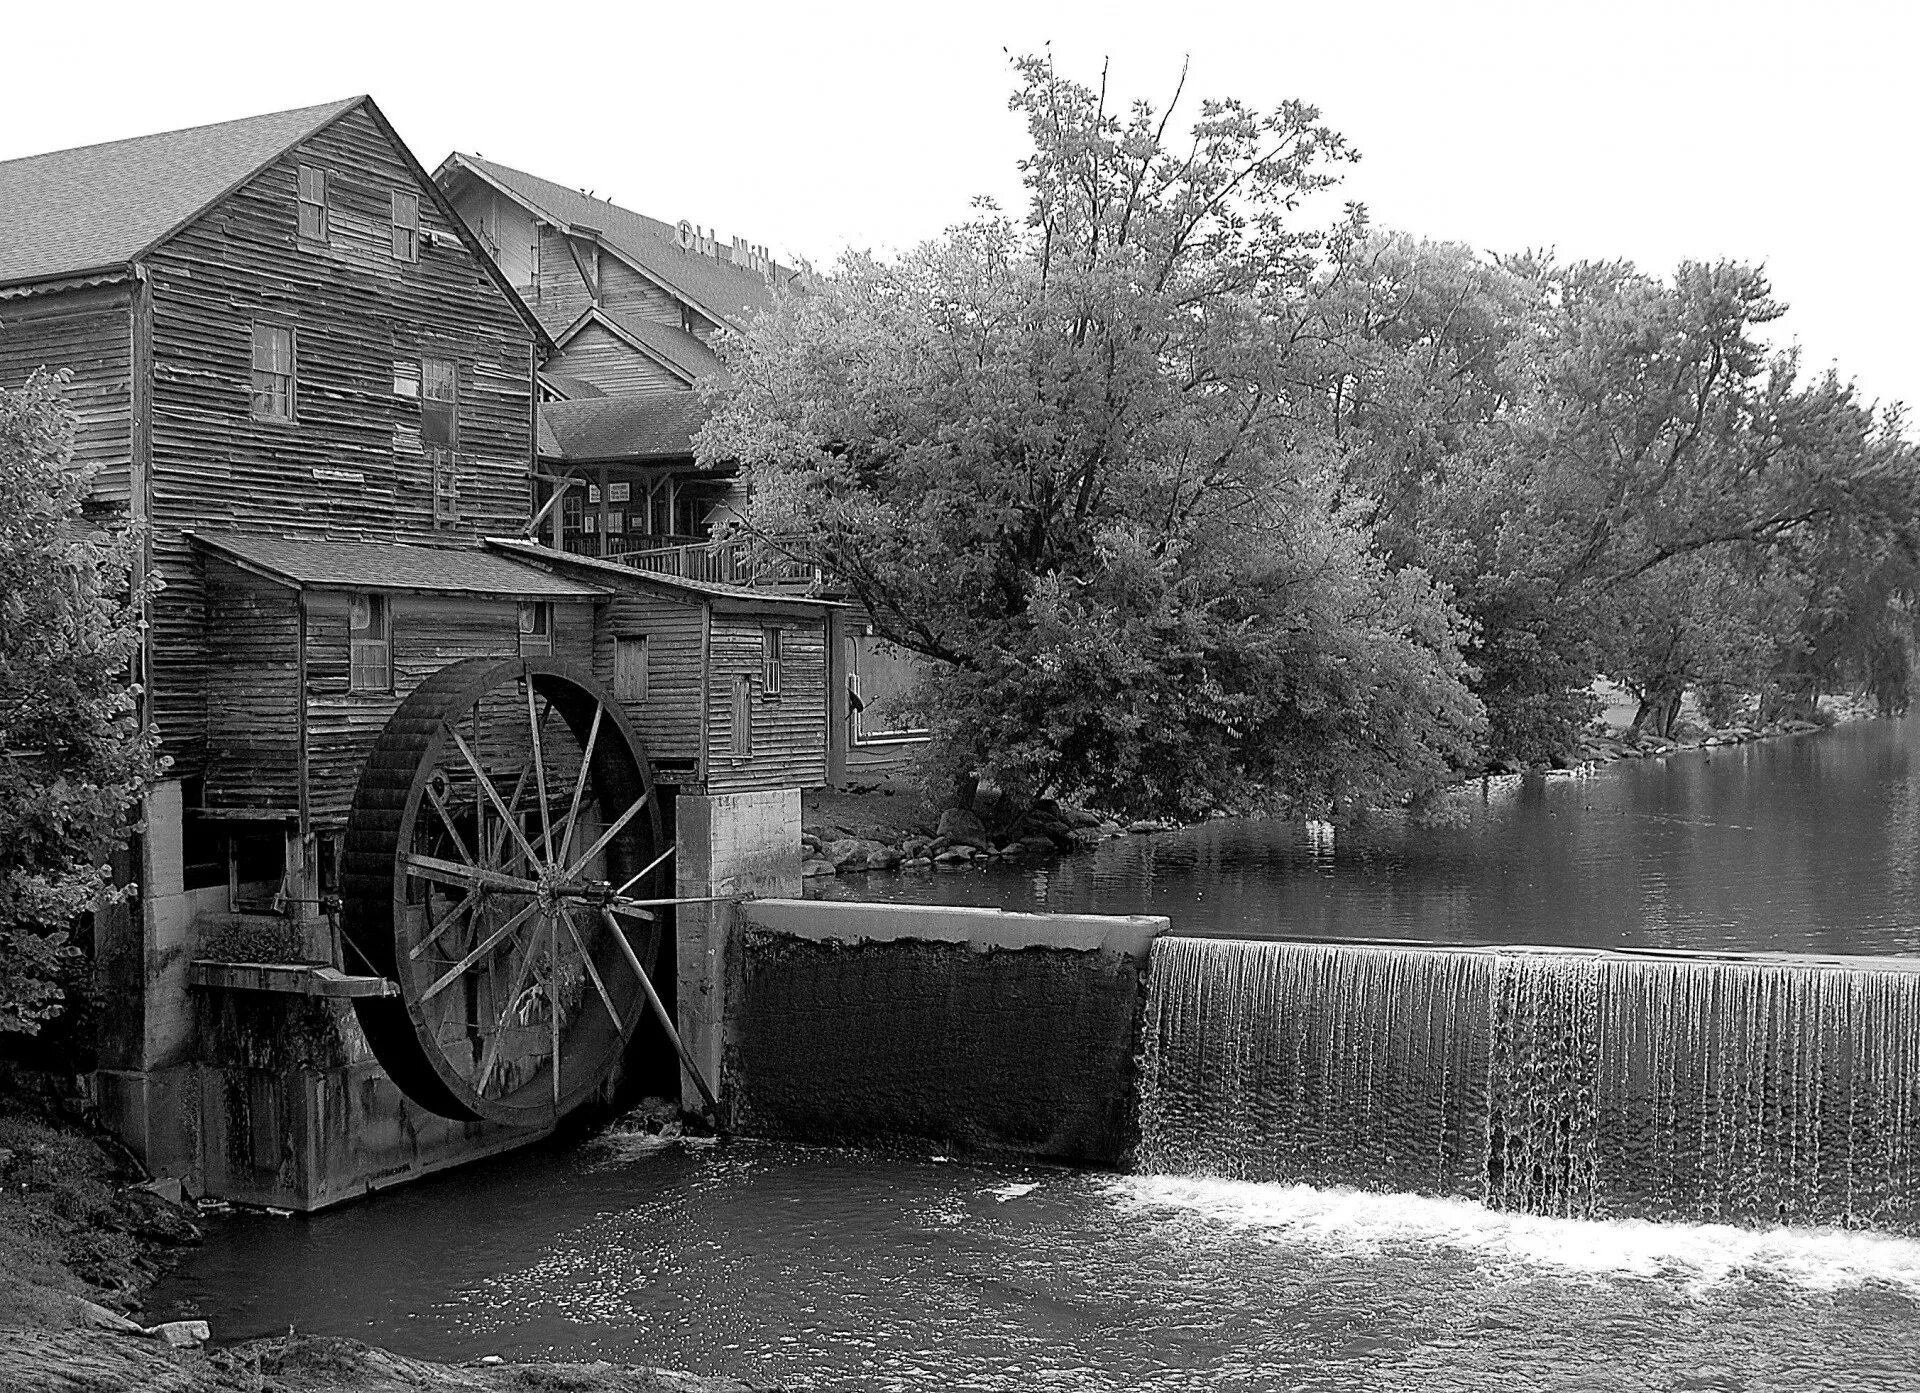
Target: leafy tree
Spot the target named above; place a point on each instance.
(1078, 464)
(74, 756)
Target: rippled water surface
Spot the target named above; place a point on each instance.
(1802, 844)
(835, 1269)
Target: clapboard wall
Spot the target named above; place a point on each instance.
(350, 465)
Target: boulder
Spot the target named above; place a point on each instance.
(916, 863)
(954, 856)
(1038, 844)
(813, 867)
(962, 828)
(850, 853)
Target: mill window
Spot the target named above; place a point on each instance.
(369, 644)
(772, 661)
(439, 404)
(313, 204)
(273, 373)
(406, 226)
(536, 628)
(630, 668)
(741, 745)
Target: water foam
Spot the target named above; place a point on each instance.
(1698, 1257)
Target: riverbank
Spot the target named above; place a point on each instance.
(83, 1234)
(888, 825)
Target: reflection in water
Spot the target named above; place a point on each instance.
(1804, 844)
(846, 1270)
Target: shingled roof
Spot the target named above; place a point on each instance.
(100, 206)
(717, 287)
(658, 426)
(324, 565)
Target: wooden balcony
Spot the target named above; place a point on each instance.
(754, 562)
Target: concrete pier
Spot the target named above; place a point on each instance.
(972, 1029)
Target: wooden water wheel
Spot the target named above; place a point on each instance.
(504, 865)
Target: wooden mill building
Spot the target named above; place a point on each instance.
(315, 387)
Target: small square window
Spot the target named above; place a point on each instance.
(440, 403)
(313, 204)
(772, 661)
(406, 226)
(369, 643)
(273, 373)
(536, 628)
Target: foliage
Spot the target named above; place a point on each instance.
(1066, 460)
(74, 755)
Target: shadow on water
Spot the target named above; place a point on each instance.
(1801, 844)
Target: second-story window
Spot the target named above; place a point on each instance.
(439, 405)
(274, 386)
(313, 204)
(369, 643)
(406, 226)
(772, 662)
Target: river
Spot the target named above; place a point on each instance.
(842, 1269)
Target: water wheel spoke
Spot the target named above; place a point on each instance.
(553, 996)
(537, 725)
(650, 868)
(493, 796)
(436, 930)
(441, 871)
(446, 820)
(497, 1036)
(492, 941)
(593, 973)
(579, 787)
(612, 831)
(659, 1008)
(633, 909)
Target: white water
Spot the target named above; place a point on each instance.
(1359, 1223)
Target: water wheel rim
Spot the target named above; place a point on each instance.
(389, 892)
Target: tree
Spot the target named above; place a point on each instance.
(74, 755)
(1075, 463)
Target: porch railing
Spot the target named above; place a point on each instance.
(755, 562)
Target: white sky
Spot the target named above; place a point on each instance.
(1778, 133)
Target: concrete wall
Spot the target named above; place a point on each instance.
(726, 844)
(973, 1029)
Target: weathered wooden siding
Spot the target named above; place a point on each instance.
(253, 699)
(669, 719)
(88, 333)
(362, 321)
(429, 631)
(790, 730)
(615, 367)
(562, 296)
(624, 290)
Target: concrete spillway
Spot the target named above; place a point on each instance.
(1585, 1084)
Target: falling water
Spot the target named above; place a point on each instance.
(1771, 1089)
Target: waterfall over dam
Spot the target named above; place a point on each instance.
(1586, 1084)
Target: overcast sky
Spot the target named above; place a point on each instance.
(1783, 134)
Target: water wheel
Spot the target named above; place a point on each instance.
(504, 864)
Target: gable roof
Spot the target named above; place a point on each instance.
(86, 209)
(725, 293)
(620, 576)
(306, 564)
(658, 426)
(669, 343)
